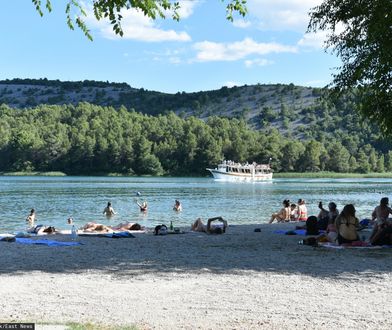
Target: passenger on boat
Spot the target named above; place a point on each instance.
(199, 226)
(108, 210)
(177, 206)
(346, 224)
(283, 214)
(31, 218)
(325, 217)
(302, 210)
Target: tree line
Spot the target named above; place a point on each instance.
(91, 139)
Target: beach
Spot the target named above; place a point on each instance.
(239, 280)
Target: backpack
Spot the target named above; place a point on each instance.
(312, 226)
(160, 230)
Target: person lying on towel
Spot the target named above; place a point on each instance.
(210, 228)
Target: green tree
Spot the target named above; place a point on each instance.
(380, 164)
(310, 160)
(363, 162)
(339, 158)
(360, 33)
(388, 161)
(292, 152)
(111, 9)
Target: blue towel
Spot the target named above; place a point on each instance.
(45, 242)
(365, 222)
(121, 234)
(301, 232)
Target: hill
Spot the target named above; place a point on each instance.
(101, 127)
(257, 104)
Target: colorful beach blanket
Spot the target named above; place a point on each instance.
(45, 242)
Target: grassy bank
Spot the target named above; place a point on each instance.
(32, 173)
(334, 175)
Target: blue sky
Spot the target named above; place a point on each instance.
(203, 51)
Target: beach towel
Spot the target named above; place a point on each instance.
(45, 242)
(337, 246)
(176, 232)
(301, 232)
(121, 234)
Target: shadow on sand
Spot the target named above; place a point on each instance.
(239, 250)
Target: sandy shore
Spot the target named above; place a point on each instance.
(239, 280)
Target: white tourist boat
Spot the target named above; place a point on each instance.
(231, 171)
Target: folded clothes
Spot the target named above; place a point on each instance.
(45, 242)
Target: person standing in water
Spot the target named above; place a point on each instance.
(31, 218)
(177, 206)
(108, 210)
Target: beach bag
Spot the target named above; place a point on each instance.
(312, 226)
(160, 230)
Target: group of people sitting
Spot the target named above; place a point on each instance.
(343, 227)
(291, 212)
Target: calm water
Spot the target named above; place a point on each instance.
(84, 198)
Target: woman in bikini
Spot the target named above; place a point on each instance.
(284, 213)
(346, 224)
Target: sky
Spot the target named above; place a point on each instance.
(203, 51)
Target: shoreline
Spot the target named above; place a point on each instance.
(276, 175)
(239, 280)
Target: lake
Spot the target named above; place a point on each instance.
(84, 198)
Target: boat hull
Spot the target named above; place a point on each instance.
(224, 176)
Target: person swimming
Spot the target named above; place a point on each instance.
(177, 206)
(143, 206)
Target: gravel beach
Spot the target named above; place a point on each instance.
(239, 280)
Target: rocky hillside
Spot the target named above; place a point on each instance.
(257, 104)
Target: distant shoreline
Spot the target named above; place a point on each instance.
(333, 175)
(282, 175)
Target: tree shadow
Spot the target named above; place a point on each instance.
(240, 250)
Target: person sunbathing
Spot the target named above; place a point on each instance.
(199, 226)
(127, 226)
(42, 230)
(93, 227)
